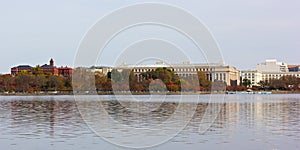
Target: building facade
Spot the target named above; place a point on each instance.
(101, 70)
(16, 70)
(50, 68)
(65, 71)
(270, 69)
(272, 65)
(253, 75)
(266, 76)
(227, 74)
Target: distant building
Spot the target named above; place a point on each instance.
(272, 65)
(214, 72)
(294, 68)
(51, 68)
(266, 76)
(253, 75)
(270, 69)
(101, 70)
(15, 70)
(65, 71)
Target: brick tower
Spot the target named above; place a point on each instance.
(51, 62)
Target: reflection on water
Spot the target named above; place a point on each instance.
(136, 114)
(248, 122)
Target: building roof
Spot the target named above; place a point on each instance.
(99, 67)
(23, 66)
(66, 67)
(293, 66)
(47, 66)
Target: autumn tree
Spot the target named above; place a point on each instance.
(204, 83)
(24, 81)
(7, 83)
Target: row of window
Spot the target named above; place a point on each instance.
(179, 69)
(279, 75)
(248, 74)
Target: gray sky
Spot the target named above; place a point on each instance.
(248, 32)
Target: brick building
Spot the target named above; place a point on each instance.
(65, 71)
(15, 70)
(49, 68)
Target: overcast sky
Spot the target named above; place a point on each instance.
(248, 32)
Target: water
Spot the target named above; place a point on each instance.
(244, 122)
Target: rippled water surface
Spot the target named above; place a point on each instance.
(244, 122)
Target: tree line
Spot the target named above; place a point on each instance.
(161, 79)
(288, 83)
(36, 80)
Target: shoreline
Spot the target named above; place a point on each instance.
(156, 93)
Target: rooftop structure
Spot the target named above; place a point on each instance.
(272, 65)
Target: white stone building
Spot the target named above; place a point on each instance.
(272, 65)
(253, 75)
(270, 69)
(214, 72)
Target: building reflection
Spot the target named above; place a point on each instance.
(31, 117)
(274, 115)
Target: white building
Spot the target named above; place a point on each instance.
(270, 69)
(253, 75)
(276, 75)
(214, 72)
(272, 65)
(103, 70)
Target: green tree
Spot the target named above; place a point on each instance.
(115, 75)
(246, 82)
(37, 71)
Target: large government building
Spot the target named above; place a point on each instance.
(214, 72)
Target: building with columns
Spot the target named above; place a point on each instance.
(214, 72)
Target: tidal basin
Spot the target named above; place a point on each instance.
(244, 122)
